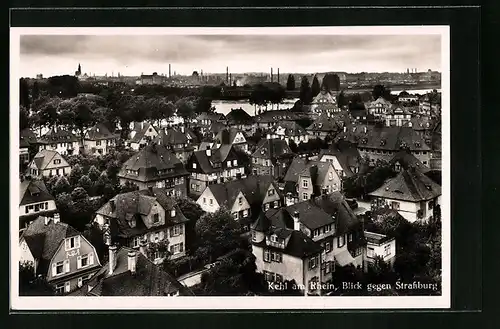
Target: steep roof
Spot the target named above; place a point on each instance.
(275, 116)
(407, 160)
(219, 155)
(149, 279)
(238, 116)
(329, 122)
(153, 162)
(140, 129)
(57, 135)
(409, 185)
(253, 187)
(98, 132)
(171, 136)
(292, 128)
(324, 96)
(211, 116)
(27, 137)
(380, 100)
(227, 135)
(272, 149)
(348, 156)
(32, 191)
(44, 240)
(299, 245)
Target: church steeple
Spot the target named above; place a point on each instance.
(79, 71)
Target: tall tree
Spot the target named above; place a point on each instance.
(75, 175)
(290, 82)
(331, 82)
(315, 88)
(35, 91)
(61, 186)
(193, 212)
(24, 118)
(305, 91)
(381, 91)
(24, 93)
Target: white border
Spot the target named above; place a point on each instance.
(232, 303)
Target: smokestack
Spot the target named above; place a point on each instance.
(271, 74)
(278, 75)
(227, 74)
(112, 258)
(230, 79)
(131, 261)
(169, 70)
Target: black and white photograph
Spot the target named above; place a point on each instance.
(170, 167)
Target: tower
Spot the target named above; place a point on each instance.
(79, 70)
(271, 74)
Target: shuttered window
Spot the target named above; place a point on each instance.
(67, 286)
(66, 266)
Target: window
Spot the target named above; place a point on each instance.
(72, 243)
(204, 200)
(276, 256)
(254, 236)
(194, 165)
(176, 230)
(240, 200)
(229, 164)
(136, 241)
(340, 241)
(328, 267)
(98, 143)
(370, 252)
(316, 233)
(57, 161)
(235, 215)
(267, 257)
(59, 289)
(350, 237)
(245, 213)
(235, 163)
(266, 207)
(305, 196)
(387, 250)
(270, 192)
(279, 278)
(330, 176)
(328, 247)
(395, 205)
(84, 260)
(172, 213)
(59, 267)
(268, 276)
(211, 201)
(327, 228)
(273, 238)
(312, 262)
(305, 183)
(156, 218)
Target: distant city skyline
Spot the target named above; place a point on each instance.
(135, 55)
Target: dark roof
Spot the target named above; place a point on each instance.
(238, 116)
(376, 238)
(253, 187)
(27, 137)
(32, 191)
(140, 128)
(292, 128)
(407, 160)
(227, 135)
(272, 149)
(330, 122)
(149, 161)
(149, 279)
(171, 136)
(56, 135)
(218, 155)
(275, 116)
(211, 116)
(138, 204)
(299, 245)
(409, 185)
(44, 157)
(348, 157)
(98, 132)
(44, 240)
(296, 167)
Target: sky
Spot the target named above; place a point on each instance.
(144, 54)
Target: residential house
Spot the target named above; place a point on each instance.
(397, 116)
(345, 159)
(48, 163)
(155, 165)
(232, 136)
(291, 130)
(62, 141)
(245, 198)
(58, 253)
(35, 200)
(207, 119)
(147, 216)
(324, 102)
(326, 225)
(130, 273)
(27, 144)
(177, 141)
(268, 119)
(212, 166)
(404, 160)
(141, 134)
(407, 98)
(328, 125)
(411, 193)
(378, 107)
(241, 120)
(271, 157)
(98, 140)
(380, 245)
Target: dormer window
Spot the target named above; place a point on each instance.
(194, 165)
(235, 163)
(273, 238)
(172, 213)
(417, 144)
(57, 161)
(156, 218)
(72, 243)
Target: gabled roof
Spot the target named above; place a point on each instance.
(32, 191)
(299, 245)
(227, 135)
(329, 122)
(316, 170)
(218, 155)
(140, 129)
(407, 160)
(380, 100)
(44, 240)
(215, 127)
(347, 155)
(409, 185)
(44, 157)
(149, 279)
(27, 136)
(272, 149)
(138, 204)
(324, 95)
(292, 128)
(238, 116)
(57, 135)
(149, 161)
(171, 136)
(253, 187)
(98, 132)
(211, 116)
(275, 116)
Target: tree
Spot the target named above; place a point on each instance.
(218, 233)
(192, 211)
(290, 83)
(381, 91)
(35, 91)
(93, 173)
(83, 209)
(61, 186)
(95, 236)
(47, 111)
(24, 118)
(24, 93)
(315, 88)
(65, 206)
(31, 285)
(85, 182)
(50, 183)
(128, 187)
(305, 91)
(331, 82)
(186, 107)
(75, 175)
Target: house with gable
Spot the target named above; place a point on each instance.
(141, 134)
(324, 102)
(397, 116)
(291, 130)
(35, 200)
(241, 120)
(48, 163)
(411, 193)
(212, 166)
(328, 125)
(245, 198)
(58, 253)
(99, 140)
(232, 136)
(155, 166)
(177, 141)
(147, 216)
(344, 157)
(28, 145)
(60, 140)
(271, 157)
(378, 107)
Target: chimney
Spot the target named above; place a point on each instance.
(208, 151)
(169, 70)
(345, 129)
(142, 124)
(112, 258)
(268, 136)
(271, 74)
(142, 247)
(131, 261)
(113, 205)
(46, 220)
(182, 129)
(296, 221)
(57, 218)
(227, 74)
(278, 75)
(364, 129)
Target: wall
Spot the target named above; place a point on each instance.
(406, 209)
(208, 195)
(25, 253)
(378, 250)
(236, 207)
(334, 184)
(51, 206)
(106, 145)
(62, 148)
(291, 268)
(309, 189)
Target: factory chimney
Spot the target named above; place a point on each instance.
(271, 74)
(227, 74)
(278, 75)
(169, 70)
